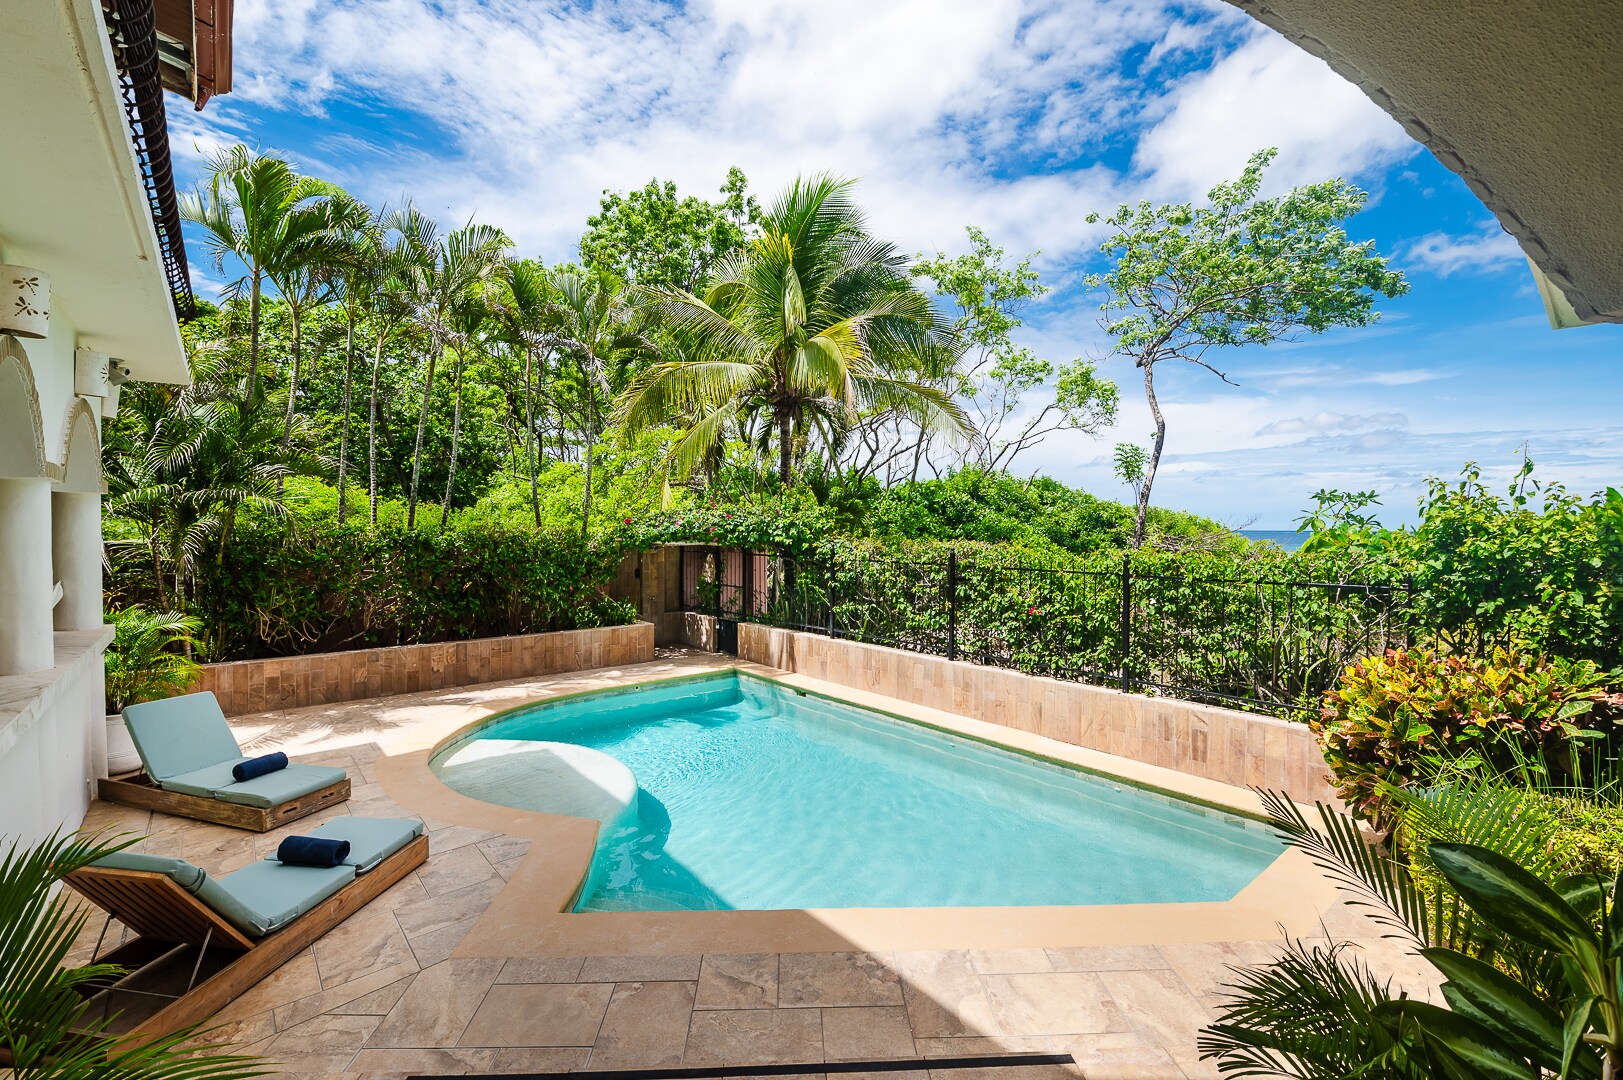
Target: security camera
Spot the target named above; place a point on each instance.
(117, 373)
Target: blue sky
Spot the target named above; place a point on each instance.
(1019, 116)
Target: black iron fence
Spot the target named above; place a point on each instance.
(1260, 644)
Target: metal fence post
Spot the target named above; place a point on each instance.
(1126, 621)
(952, 603)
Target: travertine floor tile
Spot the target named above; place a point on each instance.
(539, 1014)
(640, 969)
(366, 942)
(812, 980)
(748, 981)
(1119, 1056)
(436, 1008)
(547, 969)
(1010, 961)
(755, 1037)
(1106, 958)
(862, 1034)
(646, 1026)
(1058, 1003)
(1159, 1006)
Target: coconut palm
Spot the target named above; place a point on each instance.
(258, 210)
(44, 1026)
(810, 323)
(442, 276)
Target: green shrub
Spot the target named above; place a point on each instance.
(1410, 716)
(145, 661)
(306, 584)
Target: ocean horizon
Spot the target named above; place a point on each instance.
(1289, 539)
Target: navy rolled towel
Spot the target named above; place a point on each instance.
(258, 766)
(312, 851)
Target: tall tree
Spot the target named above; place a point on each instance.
(811, 322)
(525, 313)
(440, 279)
(652, 237)
(395, 254)
(1242, 270)
(258, 210)
(997, 375)
(470, 319)
(597, 330)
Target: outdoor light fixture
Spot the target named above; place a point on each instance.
(90, 372)
(25, 301)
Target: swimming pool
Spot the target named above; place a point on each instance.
(753, 795)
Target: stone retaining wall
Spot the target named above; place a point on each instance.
(1238, 748)
(289, 682)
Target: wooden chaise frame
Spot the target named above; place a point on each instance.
(139, 790)
(175, 929)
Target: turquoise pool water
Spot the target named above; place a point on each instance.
(754, 796)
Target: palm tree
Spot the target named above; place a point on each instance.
(257, 209)
(396, 254)
(470, 318)
(195, 457)
(810, 323)
(438, 280)
(523, 311)
(601, 334)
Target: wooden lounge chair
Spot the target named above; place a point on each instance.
(201, 942)
(188, 752)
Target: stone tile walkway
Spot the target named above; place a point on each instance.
(385, 995)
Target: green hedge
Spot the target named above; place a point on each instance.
(308, 585)
(1258, 628)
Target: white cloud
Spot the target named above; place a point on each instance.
(1487, 251)
(1333, 423)
(1266, 93)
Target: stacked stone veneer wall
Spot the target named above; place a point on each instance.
(290, 682)
(1219, 744)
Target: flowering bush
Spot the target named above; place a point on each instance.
(1408, 717)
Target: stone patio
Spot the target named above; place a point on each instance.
(389, 994)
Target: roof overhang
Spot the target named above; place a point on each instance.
(71, 196)
(1522, 100)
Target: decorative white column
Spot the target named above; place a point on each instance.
(76, 553)
(26, 582)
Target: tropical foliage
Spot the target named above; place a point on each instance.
(149, 657)
(1414, 716)
(1528, 946)
(44, 1025)
(798, 333)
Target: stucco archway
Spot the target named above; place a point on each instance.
(22, 435)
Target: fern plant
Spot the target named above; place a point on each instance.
(45, 1030)
(144, 661)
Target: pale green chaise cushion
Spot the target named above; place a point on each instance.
(266, 896)
(283, 785)
(259, 898)
(205, 781)
(179, 871)
(371, 840)
(181, 735)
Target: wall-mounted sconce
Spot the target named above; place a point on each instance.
(25, 301)
(90, 372)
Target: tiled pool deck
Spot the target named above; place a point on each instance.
(466, 965)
